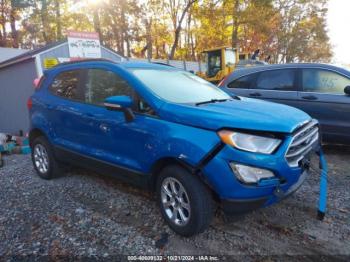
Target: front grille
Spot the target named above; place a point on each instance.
(302, 143)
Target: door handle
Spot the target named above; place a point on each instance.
(255, 94)
(310, 97)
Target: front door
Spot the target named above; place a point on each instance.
(278, 86)
(241, 86)
(113, 139)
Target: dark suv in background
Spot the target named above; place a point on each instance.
(320, 90)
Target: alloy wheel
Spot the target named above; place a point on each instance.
(175, 201)
(41, 158)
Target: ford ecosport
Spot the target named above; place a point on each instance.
(173, 133)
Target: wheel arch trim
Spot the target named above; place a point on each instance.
(34, 133)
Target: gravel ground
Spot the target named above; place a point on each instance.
(83, 214)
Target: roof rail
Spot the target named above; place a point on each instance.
(84, 60)
(161, 63)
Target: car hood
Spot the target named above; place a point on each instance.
(243, 113)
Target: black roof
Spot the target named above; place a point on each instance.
(30, 54)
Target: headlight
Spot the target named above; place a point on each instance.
(251, 143)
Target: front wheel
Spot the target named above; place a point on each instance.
(185, 202)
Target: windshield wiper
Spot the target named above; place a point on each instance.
(211, 101)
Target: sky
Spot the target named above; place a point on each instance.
(338, 23)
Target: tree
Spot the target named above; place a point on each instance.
(59, 35)
(288, 30)
(302, 36)
(177, 10)
(4, 8)
(9, 15)
(14, 33)
(44, 20)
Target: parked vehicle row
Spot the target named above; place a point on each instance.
(173, 133)
(322, 91)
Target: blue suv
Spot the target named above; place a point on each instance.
(173, 133)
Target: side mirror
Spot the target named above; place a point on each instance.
(120, 103)
(347, 90)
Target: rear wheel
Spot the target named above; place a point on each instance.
(185, 202)
(43, 159)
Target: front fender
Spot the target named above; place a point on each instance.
(187, 144)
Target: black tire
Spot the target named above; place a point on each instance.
(200, 201)
(54, 168)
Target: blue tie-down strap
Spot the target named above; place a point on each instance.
(322, 203)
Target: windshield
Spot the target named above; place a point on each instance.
(179, 86)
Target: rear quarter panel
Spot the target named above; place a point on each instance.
(39, 113)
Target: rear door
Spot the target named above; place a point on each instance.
(63, 103)
(323, 98)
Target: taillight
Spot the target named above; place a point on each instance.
(37, 82)
(29, 103)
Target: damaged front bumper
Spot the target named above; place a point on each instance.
(236, 206)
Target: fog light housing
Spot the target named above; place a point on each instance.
(249, 174)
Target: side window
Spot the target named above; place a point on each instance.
(276, 80)
(101, 84)
(66, 85)
(323, 81)
(244, 82)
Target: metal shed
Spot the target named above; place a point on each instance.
(16, 82)
(8, 53)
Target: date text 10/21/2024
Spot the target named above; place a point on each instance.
(173, 258)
